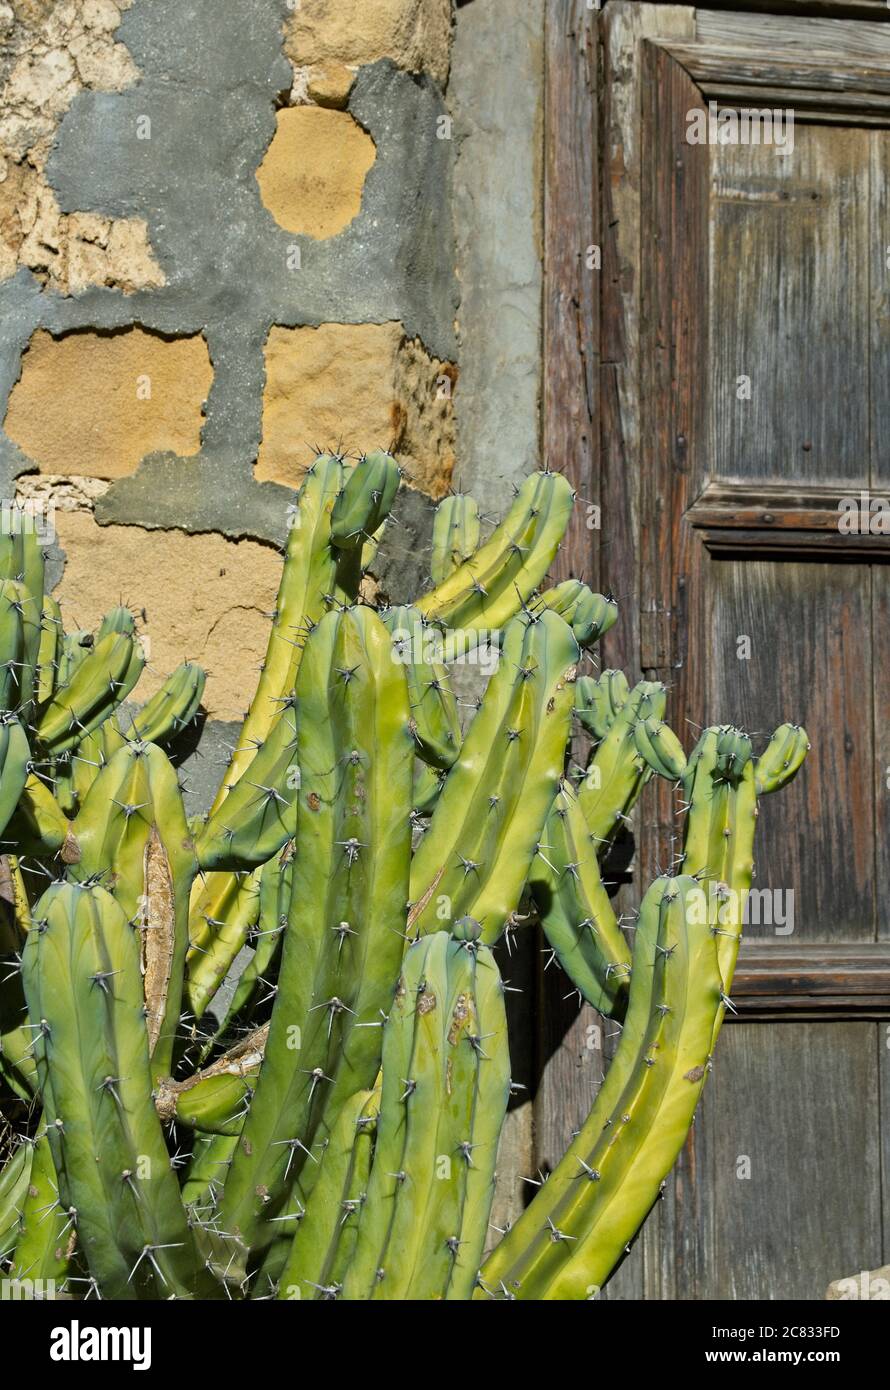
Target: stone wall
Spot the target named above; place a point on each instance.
(227, 238)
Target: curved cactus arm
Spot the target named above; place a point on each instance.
(456, 533)
(96, 686)
(14, 1180)
(215, 1100)
(21, 582)
(718, 845)
(365, 499)
(597, 701)
(18, 617)
(132, 828)
(474, 858)
(309, 588)
(47, 1236)
(258, 815)
(83, 984)
(48, 650)
(325, 1238)
(782, 758)
(616, 774)
(39, 826)
(434, 712)
(589, 615)
(660, 749)
(490, 587)
(172, 708)
(15, 763)
(569, 1240)
(446, 1082)
(575, 911)
(266, 937)
(344, 938)
(223, 911)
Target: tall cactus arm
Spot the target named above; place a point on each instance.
(568, 1241)
(782, 759)
(718, 845)
(15, 762)
(17, 618)
(489, 587)
(456, 532)
(48, 650)
(84, 990)
(589, 615)
(308, 588)
(46, 1230)
(364, 501)
(132, 829)
(171, 708)
(616, 774)
(326, 1235)
(575, 911)
(436, 721)
(446, 1073)
(344, 939)
(474, 859)
(598, 701)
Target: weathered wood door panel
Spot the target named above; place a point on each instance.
(766, 392)
(742, 335)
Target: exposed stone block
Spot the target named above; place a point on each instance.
(94, 404)
(205, 599)
(357, 387)
(415, 34)
(312, 176)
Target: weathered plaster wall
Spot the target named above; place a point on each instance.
(227, 238)
(496, 96)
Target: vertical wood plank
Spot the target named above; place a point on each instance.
(571, 285)
(571, 442)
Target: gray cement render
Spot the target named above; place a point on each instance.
(212, 76)
(495, 94)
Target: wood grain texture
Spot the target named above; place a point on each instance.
(809, 635)
(788, 309)
(571, 285)
(816, 626)
(868, 40)
(570, 424)
(800, 12)
(798, 1101)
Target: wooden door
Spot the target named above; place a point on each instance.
(743, 334)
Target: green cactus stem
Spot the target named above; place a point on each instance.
(456, 533)
(349, 890)
(83, 984)
(446, 1083)
(568, 1241)
(488, 588)
(474, 858)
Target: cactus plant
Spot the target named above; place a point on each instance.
(339, 1097)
